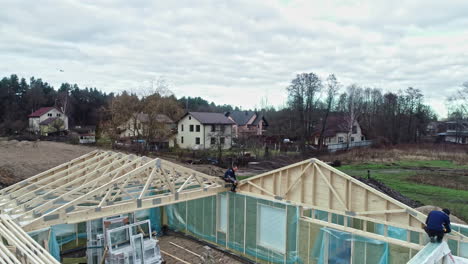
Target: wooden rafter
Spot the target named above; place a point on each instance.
(21, 247)
(325, 188)
(104, 183)
(100, 184)
(322, 186)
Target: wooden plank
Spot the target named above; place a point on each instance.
(363, 233)
(174, 257)
(381, 212)
(260, 188)
(298, 179)
(330, 187)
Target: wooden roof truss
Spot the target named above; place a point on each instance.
(314, 185)
(101, 184)
(18, 247)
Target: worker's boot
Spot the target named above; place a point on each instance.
(433, 239)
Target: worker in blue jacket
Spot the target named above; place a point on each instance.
(437, 224)
(230, 176)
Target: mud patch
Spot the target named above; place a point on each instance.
(173, 244)
(7, 177)
(454, 179)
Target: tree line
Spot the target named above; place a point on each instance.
(393, 117)
(21, 97)
(89, 106)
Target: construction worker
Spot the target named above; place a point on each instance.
(230, 176)
(437, 224)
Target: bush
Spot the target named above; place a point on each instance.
(75, 140)
(336, 163)
(104, 141)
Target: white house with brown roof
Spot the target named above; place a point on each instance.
(202, 130)
(47, 120)
(337, 131)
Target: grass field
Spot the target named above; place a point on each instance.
(441, 183)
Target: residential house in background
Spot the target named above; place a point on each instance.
(336, 131)
(136, 129)
(449, 131)
(84, 134)
(202, 130)
(247, 123)
(48, 120)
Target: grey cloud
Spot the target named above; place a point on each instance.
(220, 49)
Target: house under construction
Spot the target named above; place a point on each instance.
(115, 205)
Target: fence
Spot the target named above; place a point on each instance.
(344, 146)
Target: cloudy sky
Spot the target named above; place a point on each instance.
(238, 52)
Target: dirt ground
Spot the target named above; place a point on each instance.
(23, 159)
(206, 254)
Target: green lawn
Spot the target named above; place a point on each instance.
(396, 175)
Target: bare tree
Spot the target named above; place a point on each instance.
(354, 109)
(123, 110)
(413, 103)
(302, 98)
(459, 101)
(332, 85)
(156, 109)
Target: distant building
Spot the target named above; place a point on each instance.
(247, 123)
(85, 134)
(201, 130)
(450, 131)
(47, 120)
(136, 128)
(336, 131)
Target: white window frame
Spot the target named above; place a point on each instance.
(279, 229)
(141, 248)
(219, 227)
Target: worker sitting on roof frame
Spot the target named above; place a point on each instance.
(230, 176)
(437, 224)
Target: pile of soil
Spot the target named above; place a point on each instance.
(427, 208)
(390, 192)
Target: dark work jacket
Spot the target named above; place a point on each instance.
(230, 174)
(437, 220)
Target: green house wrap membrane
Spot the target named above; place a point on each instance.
(333, 246)
(262, 230)
(272, 232)
(248, 233)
